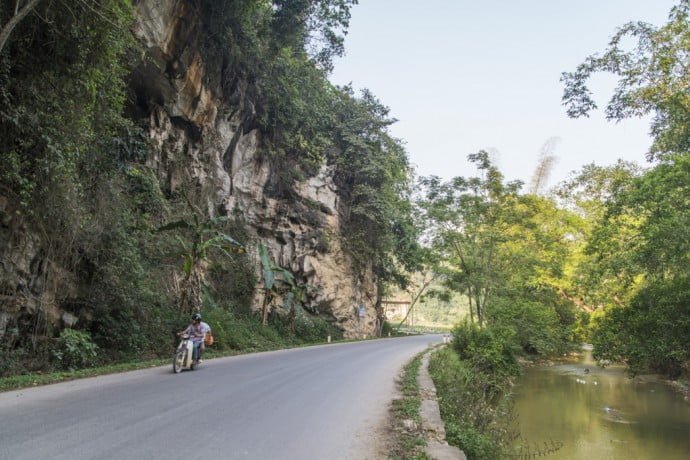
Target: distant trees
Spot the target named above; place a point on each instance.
(545, 164)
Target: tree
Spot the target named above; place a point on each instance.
(507, 252)
(641, 239)
(467, 219)
(373, 177)
(417, 290)
(644, 235)
(21, 10)
(317, 26)
(654, 78)
(546, 162)
(598, 276)
(273, 276)
(279, 281)
(651, 333)
(203, 236)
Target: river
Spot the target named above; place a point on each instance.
(585, 412)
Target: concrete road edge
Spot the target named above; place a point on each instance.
(432, 425)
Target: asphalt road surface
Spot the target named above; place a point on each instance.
(323, 402)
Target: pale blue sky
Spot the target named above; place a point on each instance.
(462, 75)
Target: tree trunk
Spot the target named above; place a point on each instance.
(380, 319)
(479, 302)
(19, 14)
(480, 314)
(414, 301)
(469, 300)
(268, 297)
(292, 316)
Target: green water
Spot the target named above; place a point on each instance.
(602, 414)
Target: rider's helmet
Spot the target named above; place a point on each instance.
(196, 317)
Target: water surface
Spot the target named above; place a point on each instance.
(593, 413)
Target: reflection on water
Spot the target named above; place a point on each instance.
(601, 414)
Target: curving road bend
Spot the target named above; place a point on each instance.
(322, 402)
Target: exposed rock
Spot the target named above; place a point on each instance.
(68, 319)
(223, 159)
(409, 425)
(207, 138)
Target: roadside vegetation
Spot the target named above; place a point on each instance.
(474, 396)
(407, 438)
(233, 335)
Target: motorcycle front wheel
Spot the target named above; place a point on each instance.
(178, 361)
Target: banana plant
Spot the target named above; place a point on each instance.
(294, 300)
(204, 236)
(277, 281)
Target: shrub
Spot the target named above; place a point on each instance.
(231, 332)
(314, 329)
(474, 421)
(489, 350)
(75, 349)
(537, 327)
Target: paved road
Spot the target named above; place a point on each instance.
(324, 402)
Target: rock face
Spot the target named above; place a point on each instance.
(31, 283)
(205, 134)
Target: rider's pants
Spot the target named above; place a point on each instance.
(196, 354)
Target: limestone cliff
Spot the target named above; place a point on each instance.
(201, 120)
(205, 134)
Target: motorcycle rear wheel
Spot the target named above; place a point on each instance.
(178, 361)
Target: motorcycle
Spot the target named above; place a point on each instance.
(184, 356)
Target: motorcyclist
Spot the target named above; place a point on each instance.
(197, 332)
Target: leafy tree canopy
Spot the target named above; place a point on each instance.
(654, 78)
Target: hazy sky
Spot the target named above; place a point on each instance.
(463, 75)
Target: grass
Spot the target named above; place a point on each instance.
(16, 382)
(480, 427)
(408, 441)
